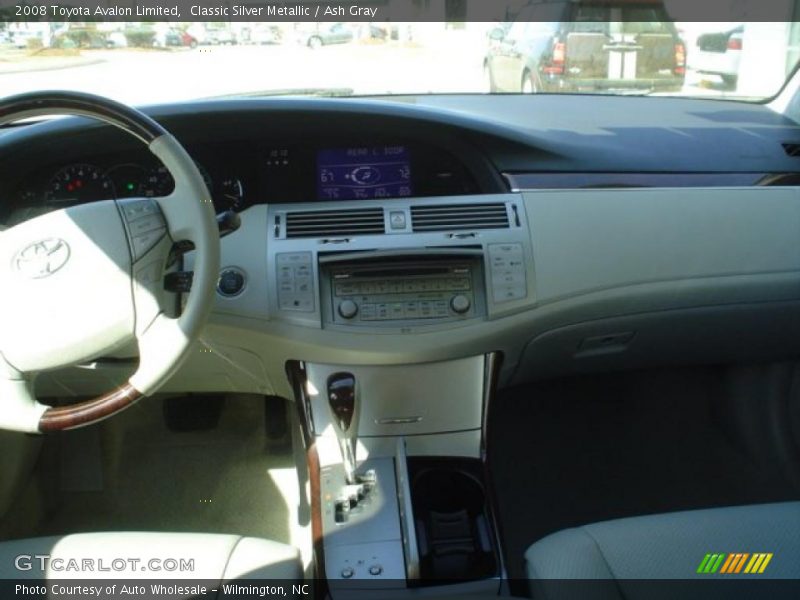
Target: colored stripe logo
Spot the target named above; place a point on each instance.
(737, 562)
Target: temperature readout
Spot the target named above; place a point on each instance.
(364, 172)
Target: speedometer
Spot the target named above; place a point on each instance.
(128, 179)
(159, 181)
(80, 183)
(232, 194)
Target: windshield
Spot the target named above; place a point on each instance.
(553, 48)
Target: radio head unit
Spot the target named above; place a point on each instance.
(397, 291)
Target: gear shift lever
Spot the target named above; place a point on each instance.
(342, 401)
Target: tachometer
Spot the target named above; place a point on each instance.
(80, 183)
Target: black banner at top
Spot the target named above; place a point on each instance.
(68, 11)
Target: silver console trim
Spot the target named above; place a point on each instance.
(398, 420)
(492, 363)
(407, 527)
(378, 254)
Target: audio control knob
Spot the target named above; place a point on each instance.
(460, 304)
(348, 309)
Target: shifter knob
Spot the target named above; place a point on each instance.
(342, 402)
(342, 398)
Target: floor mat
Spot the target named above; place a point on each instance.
(222, 480)
(579, 450)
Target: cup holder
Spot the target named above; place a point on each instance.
(453, 533)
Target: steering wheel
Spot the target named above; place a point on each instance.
(85, 280)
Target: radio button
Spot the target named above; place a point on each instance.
(462, 283)
(346, 289)
(348, 309)
(460, 304)
(425, 309)
(367, 312)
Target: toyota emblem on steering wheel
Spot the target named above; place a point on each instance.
(43, 258)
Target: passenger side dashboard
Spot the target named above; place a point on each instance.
(611, 279)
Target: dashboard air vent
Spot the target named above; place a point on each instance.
(791, 148)
(450, 217)
(321, 223)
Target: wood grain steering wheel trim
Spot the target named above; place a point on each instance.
(91, 411)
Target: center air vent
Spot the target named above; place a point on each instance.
(450, 217)
(322, 223)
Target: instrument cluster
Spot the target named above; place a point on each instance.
(240, 175)
(83, 182)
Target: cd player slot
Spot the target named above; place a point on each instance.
(401, 271)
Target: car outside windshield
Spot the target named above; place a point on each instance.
(552, 48)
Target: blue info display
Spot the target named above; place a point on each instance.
(363, 172)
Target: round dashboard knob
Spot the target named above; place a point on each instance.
(460, 304)
(230, 283)
(348, 309)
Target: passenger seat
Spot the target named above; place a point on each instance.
(612, 559)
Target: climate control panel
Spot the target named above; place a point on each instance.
(395, 292)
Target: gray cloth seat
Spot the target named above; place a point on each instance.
(146, 555)
(613, 558)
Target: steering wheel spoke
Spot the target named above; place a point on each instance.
(69, 276)
(21, 411)
(180, 208)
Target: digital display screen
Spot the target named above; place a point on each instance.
(363, 172)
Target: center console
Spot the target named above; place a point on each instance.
(399, 483)
(402, 492)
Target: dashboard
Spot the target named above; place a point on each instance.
(421, 229)
(241, 172)
(240, 175)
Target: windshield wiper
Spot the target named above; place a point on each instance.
(310, 91)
